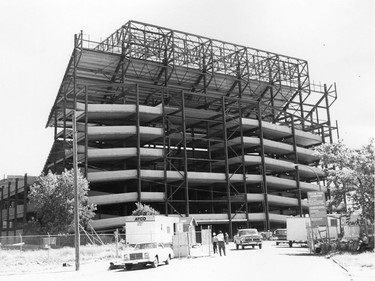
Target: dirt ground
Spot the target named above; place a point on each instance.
(270, 263)
(358, 266)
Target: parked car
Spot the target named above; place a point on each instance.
(280, 236)
(248, 237)
(152, 253)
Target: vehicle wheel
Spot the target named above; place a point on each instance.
(243, 247)
(260, 246)
(155, 263)
(128, 266)
(290, 244)
(277, 243)
(253, 246)
(237, 246)
(168, 260)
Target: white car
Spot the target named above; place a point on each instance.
(152, 253)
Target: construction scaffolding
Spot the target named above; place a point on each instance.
(192, 126)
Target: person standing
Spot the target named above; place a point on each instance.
(221, 241)
(226, 236)
(214, 242)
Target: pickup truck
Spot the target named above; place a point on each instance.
(248, 237)
(280, 236)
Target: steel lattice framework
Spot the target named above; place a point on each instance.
(277, 80)
(193, 94)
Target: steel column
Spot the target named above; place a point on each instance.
(54, 142)
(8, 208)
(301, 101)
(25, 190)
(263, 169)
(210, 164)
(1, 209)
(229, 202)
(165, 153)
(64, 129)
(244, 170)
(297, 169)
(15, 207)
(328, 114)
(139, 180)
(183, 119)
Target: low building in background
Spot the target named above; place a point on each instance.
(15, 209)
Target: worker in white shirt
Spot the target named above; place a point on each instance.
(221, 241)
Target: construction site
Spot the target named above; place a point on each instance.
(192, 126)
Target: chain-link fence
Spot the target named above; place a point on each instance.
(53, 241)
(199, 241)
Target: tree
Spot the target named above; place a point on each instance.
(144, 210)
(53, 199)
(350, 177)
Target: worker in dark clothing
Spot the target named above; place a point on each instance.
(214, 242)
(363, 243)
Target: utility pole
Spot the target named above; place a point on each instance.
(75, 166)
(76, 199)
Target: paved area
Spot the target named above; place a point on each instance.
(273, 262)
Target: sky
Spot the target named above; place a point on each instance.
(336, 37)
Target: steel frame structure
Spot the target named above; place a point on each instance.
(205, 89)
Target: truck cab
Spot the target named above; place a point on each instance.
(280, 236)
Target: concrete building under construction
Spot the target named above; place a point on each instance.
(191, 126)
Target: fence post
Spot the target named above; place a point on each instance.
(116, 241)
(20, 243)
(49, 244)
(188, 244)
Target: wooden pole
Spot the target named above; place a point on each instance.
(75, 168)
(76, 210)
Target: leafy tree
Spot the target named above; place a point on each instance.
(53, 198)
(350, 176)
(144, 210)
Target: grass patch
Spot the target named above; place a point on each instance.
(36, 260)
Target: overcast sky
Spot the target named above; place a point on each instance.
(336, 37)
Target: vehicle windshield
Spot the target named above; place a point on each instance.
(248, 232)
(145, 246)
(281, 232)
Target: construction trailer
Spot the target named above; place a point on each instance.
(192, 126)
(142, 229)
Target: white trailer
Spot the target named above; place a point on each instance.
(299, 229)
(139, 229)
